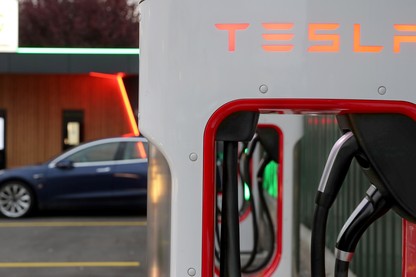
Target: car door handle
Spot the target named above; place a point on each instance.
(127, 175)
(103, 169)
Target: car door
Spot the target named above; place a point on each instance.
(130, 173)
(84, 178)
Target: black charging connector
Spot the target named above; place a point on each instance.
(372, 207)
(237, 127)
(230, 233)
(388, 142)
(335, 170)
(386, 154)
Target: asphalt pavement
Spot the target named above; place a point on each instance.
(74, 244)
(98, 244)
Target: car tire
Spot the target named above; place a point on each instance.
(16, 199)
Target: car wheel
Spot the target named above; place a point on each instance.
(16, 199)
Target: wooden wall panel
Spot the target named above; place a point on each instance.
(34, 106)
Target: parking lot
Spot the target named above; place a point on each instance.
(74, 244)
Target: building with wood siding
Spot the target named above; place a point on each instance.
(43, 94)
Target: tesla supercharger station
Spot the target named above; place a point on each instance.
(208, 69)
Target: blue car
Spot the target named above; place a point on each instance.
(110, 173)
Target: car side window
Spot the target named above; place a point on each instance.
(135, 150)
(97, 153)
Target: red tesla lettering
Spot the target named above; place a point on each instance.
(398, 40)
(313, 36)
(278, 37)
(232, 28)
(357, 42)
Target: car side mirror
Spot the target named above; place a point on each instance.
(65, 164)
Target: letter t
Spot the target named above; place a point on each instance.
(232, 28)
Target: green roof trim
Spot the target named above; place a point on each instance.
(86, 51)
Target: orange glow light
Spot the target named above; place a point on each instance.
(399, 39)
(278, 37)
(126, 102)
(141, 150)
(358, 47)
(334, 38)
(102, 75)
(127, 106)
(129, 111)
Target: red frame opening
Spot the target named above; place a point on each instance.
(279, 106)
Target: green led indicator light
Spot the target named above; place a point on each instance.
(246, 192)
(270, 179)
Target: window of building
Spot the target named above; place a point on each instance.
(72, 128)
(2, 139)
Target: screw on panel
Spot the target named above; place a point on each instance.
(382, 90)
(191, 271)
(263, 88)
(193, 156)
